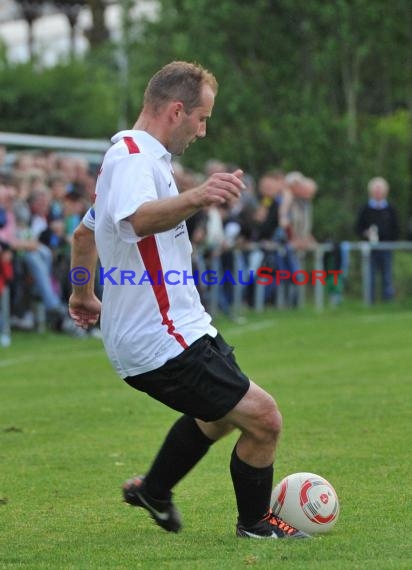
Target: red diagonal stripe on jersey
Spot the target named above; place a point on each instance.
(150, 255)
(131, 145)
(151, 259)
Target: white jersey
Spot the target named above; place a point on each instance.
(146, 320)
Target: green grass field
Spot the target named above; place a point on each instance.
(71, 432)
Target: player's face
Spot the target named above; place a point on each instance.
(193, 125)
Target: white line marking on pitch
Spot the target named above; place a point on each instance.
(37, 357)
(239, 329)
(382, 317)
(12, 361)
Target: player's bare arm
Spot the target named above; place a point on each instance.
(84, 306)
(162, 215)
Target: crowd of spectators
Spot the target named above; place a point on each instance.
(44, 194)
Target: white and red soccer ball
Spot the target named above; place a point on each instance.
(307, 502)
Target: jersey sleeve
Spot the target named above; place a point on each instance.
(132, 185)
(89, 218)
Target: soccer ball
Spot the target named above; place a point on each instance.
(307, 502)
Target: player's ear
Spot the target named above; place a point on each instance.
(176, 109)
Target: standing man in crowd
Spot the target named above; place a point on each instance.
(378, 221)
(158, 337)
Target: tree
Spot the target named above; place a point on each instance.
(302, 86)
(98, 34)
(31, 10)
(58, 101)
(71, 10)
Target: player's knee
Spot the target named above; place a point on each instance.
(215, 430)
(268, 421)
(272, 424)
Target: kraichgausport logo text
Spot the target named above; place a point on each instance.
(262, 276)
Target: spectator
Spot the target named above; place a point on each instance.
(272, 193)
(58, 190)
(6, 256)
(378, 221)
(301, 213)
(6, 266)
(74, 208)
(39, 203)
(66, 165)
(213, 166)
(32, 266)
(24, 163)
(295, 221)
(3, 160)
(55, 239)
(6, 276)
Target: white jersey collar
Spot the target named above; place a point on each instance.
(150, 143)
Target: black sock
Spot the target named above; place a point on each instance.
(253, 488)
(184, 446)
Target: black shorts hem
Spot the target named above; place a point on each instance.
(204, 381)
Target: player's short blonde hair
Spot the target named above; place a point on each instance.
(179, 81)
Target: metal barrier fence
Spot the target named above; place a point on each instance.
(5, 338)
(317, 254)
(365, 249)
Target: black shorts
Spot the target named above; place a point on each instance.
(204, 381)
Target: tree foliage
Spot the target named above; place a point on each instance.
(323, 87)
(74, 99)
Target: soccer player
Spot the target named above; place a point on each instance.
(158, 336)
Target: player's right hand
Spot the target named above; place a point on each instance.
(85, 312)
(221, 188)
